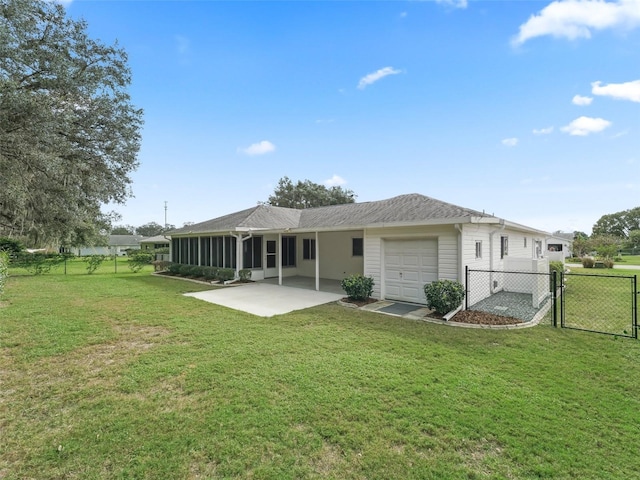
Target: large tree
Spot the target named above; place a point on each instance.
(69, 134)
(618, 224)
(308, 194)
(152, 229)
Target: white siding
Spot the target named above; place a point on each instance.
(336, 259)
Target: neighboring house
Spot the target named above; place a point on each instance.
(152, 243)
(559, 246)
(116, 245)
(402, 242)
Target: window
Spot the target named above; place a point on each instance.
(525, 242)
(205, 251)
(271, 254)
(504, 247)
(538, 248)
(357, 247)
(308, 248)
(478, 249)
(288, 251)
(229, 252)
(252, 253)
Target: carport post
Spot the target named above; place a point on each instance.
(317, 263)
(279, 249)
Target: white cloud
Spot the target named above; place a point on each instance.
(335, 181)
(375, 76)
(620, 134)
(584, 126)
(259, 148)
(510, 142)
(620, 91)
(581, 101)
(542, 131)
(454, 3)
(574, 19)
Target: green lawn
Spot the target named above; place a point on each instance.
(629, 260)
(120, 376)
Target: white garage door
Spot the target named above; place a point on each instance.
(409, 265)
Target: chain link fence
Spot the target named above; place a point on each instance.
(600, 303)
(525, 296)
(596, 303)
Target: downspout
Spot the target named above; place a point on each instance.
(461, 278)
(239, 240)
(491, 263)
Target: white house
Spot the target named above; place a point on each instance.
(402, 242)
(116, 245)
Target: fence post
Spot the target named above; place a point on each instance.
(635, 306)
(115, 263)
(466, 287)
(554, 295)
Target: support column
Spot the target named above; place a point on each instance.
(279, 253)
(317, 263)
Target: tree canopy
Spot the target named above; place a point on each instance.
(152, 229)
(618, 224)
(69, 134)
(308, 194)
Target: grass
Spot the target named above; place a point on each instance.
(120, 376)
(629, 260)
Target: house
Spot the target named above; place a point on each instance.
(559, 246)
(116, 245)
(403, 243)
(153, 243)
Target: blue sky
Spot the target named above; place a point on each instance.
(527, 110)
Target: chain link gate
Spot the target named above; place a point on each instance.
(599, 303)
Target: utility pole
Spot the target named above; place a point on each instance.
(165, 214)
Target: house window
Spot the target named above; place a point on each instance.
(271, 254)
(504, 246)
(308, 248)
(478, 249)
(357, 247)
(288, 251)
(525, 242)
(252, 253)
(538, 248)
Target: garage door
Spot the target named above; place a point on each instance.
(409, 265)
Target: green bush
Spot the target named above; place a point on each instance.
(226, 274)
(588, 262)
(11, 246)
(138, 259)
(4, 269)
(93, 262)
(174, 268)
(185, 270)
(557, 267)
(37, 263)
(245, 275)
(357, 287)
(444, 295)
(210, 273)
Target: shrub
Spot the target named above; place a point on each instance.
(138, 259)
(11, 246)
(38, 263)
(357, 287)
(444, 295)
(557, 267)
(225, 274)
(174, 268)
(160, 265)
(210, 273)
(4, 269)
(93, 262)
(588, 262)
(185, 270)
(245, 275)
(608, 262)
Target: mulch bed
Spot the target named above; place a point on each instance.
(483, 318)
(359, 303)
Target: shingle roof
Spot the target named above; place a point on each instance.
(155, 239)
(124, 240)
(411, 208)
